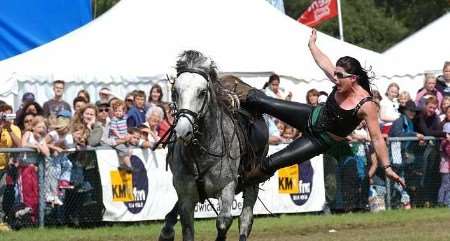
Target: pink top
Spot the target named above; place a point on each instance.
(444, 166)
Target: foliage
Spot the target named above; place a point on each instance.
(101, 6)
(377, 24)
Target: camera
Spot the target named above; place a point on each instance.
(7, 117)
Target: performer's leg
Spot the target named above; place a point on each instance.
(299, 150)
(293, 113)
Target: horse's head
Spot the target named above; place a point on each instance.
(191, 91)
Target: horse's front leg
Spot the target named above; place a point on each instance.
(225, 218)
(167, 232)
(186, 204)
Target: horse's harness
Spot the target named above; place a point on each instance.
(193, 141)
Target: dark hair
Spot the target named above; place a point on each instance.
(88, 97)
(5, 107)
(159, 89)
(21, 120)
(272, 78)
(38, 107)
(139, 93)
(59, 81)
(352, 66)
(132, 130)
(79, 99)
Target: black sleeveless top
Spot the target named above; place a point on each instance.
(336, 120)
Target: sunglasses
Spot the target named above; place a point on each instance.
(103, 110)
(129, 100)
(342, 75)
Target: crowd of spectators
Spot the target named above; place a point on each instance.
(138, 120)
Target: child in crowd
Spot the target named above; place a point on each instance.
(444, 169)
(36, 139)
(118, 130)
(59, 140)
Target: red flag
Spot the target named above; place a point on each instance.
(318, 12)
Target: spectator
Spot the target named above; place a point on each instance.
(444, 169)
(129, 101)
(444, 106)
(25, 125)
(26, 98)
(105, 95)
(443, 81)
(167, 120)
(428, 124)
(289, 134)
(446, 117)
(118, 125)
(389, 107)
(403, 97)
(154, 117)
(78, 103)
(10, 137)
(30, 107)
(312, 97)
(85, 94)
(53, 106)
(429, 89)
(272, 88)
(274, 134)
(87, 118)
(155, 96)
(59, 167)
(136, 115)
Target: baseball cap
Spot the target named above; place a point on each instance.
(446, 127)
(64, 114)
(28, 97)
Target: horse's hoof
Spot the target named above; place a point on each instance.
(242, 237)
(166, 236)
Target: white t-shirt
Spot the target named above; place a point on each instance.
(389, 110)
(64, 140)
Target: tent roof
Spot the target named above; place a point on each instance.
(425, 50)
(143, 38)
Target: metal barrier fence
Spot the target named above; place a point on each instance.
(348, 187)
(346, 182)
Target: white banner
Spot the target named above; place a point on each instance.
(148, 193)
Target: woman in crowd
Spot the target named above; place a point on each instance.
(85, 94)
(349, 103)
(429, 89)
(155, 96)
(78, 103)
(272, 88)
(403, 97)
(312, 97)
(87, 117)
(389, 107)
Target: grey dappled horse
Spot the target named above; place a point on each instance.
(207, 149)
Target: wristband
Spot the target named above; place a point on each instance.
(387, 166)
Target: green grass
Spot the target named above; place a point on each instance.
(399, 225)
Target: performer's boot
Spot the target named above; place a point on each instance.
(236, 85)
(258, 174)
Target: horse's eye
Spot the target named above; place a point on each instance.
(202, 94)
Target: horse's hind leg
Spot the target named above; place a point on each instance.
(250, 195)
(225, 218)
(167, 232)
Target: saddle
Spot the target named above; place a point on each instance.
(252, 133)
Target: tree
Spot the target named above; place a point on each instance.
(377, 24)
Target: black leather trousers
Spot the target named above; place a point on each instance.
(296, 115)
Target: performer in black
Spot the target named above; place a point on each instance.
(323, 126)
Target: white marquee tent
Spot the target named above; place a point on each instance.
(136, 43)
(425, 50)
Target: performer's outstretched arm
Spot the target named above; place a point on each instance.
(369, 112)
(321, 59)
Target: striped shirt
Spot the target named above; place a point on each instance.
(118, 126)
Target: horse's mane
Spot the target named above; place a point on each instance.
(194, 60)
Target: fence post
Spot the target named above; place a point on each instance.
(387, 180)
(41, 173)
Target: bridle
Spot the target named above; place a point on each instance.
(197, 117)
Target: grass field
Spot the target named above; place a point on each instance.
(400, 225)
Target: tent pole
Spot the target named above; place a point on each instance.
(341, 28)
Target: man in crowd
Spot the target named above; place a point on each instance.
(105, 95)
(9, 137)
(56, 104)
